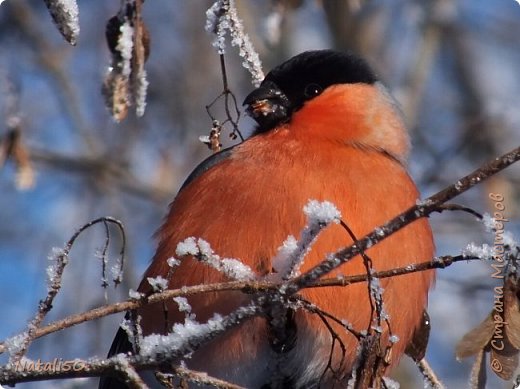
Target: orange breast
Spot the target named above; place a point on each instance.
(246, 206)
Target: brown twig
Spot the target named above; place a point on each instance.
(55, 273)
(245, 286)
(17, 371)
(230, 118)
(202, 378)
(84, 368)
(457, 207)
(429, 375)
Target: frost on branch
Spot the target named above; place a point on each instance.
(184, 305)
(473, 250)
(173, 262)
(158, 283)
(286, 256)
(496, 225)
(201, 250)
(59, 258)
(222, 17)
(321, 212)
(16, 344)
(291, 254)
(129, 42)
(135, 295)
(133, 329)
(180, 338)
(65, 15)
(504, 241)
(376, 291)
(185, 338)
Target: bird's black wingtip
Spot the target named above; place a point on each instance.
(121, 344)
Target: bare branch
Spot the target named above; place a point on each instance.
(55, 273)
(247, 287)
(202, 378)
(429, 374)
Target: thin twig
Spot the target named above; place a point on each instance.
(56, 274)
(203, 378)
(457, 207)
(429, 374)
(17, 372)
(244, 286)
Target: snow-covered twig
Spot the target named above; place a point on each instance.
(422, 209)
(65, 14)
(138, 300)
(131, 377)
(200, 249)
(291, 254)
(197, 377)
(60, 259)
(222, 17)
(430, 378)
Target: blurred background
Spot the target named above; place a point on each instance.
(454, 65)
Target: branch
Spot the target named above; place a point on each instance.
(248, 287)
(422, 209)
(429, 375)
(223, 16)
(201, 378)
(169, 349)
(18, 345)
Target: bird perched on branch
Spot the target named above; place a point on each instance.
(327, 130)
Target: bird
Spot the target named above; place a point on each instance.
(326, 129)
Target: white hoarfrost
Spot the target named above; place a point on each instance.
(184, 305)
(117, 271)
(181, 337)
(291, 254)
(16, 343)
(282, 260)
(173, 262)
(201, 250)
(134, 294)
(125, 46)
(65, 14)
(140, 93)
(321, 212)
(185, 338)
(489, 222)
(158, 283)
(56, 254)
(222, 17)
(473, 250)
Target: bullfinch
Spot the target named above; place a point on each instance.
(327, 130)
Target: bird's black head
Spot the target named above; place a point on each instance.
(287, 87)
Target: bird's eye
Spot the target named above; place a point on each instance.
(312, 90)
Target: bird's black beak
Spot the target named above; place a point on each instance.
(268, 105)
